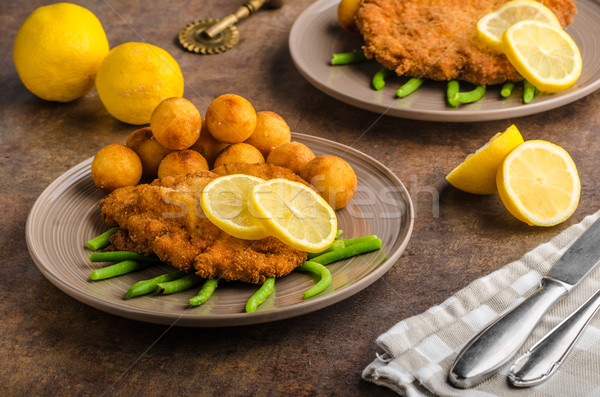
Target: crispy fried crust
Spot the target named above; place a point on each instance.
(264, 171)
(438, 39)
(165, 218)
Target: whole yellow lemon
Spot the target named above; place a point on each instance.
(58, 50)
(134, 78)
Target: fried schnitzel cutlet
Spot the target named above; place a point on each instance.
(437, 39)
(165, 218)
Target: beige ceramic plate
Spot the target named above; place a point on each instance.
(316, 34)
(66, 215)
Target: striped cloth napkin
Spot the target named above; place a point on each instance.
(419, 351)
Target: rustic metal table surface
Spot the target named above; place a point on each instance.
(51, 344)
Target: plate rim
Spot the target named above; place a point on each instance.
(231, 319)
(448, 115)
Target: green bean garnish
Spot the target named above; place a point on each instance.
(409, 87)
(118, 269)
(347, 252)
(324, 274)
(116, 256)
(338, 233)
(337, 244)
(259, 296)
(378, 81)
(346, 58)
(471, 96)
(181, 284)
(102, 241)
(205, 292)
(452, 93)
(147, 286)
(529, 91)
(507, 89)
(352, 241)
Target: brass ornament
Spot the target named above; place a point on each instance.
(194, 39)
(214, 36)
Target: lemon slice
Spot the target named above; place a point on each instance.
(295, 214)
(491, 26)
(538, 183)
(477, 173)
(225, 203)
(543, 54)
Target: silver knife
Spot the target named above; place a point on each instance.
(543, 359)
(498, 342)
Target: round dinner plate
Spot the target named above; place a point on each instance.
(66, 215)
(316, 35)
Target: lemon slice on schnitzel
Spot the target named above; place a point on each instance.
(477, 173)
(538, 183)
(543, 54)
(295, 214)
(225, 203)
(491, 26)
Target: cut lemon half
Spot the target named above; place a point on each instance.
(543, 54)
(477, 173)
(539, 184)
(225, 203)
(295, 214)
(491, 26)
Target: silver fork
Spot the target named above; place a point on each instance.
(543, 359)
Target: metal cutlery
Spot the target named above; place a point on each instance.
(497, 343)
(543, 359)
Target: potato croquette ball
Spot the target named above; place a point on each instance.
(115, 166)
(271, 131)
(176, 123)
(239, 153)
(208, 146)
(147, 147)
(182, 162)
(292, 155)
(231, 118)
(333, 178)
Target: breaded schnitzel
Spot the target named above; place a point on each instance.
(437, 39)
(165, 218)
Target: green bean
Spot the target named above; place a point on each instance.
(337, 244)
(452, 93)
(118, 269)
(378, 81)
(409, 87)
(102, 241)
(507, 89)
(529, 91)
(147, 286)
(347, 252)
(181, 284)
(346, 58)
(116, 256)
(338, 233)
(324, 274)
(259, 296)
(471, 96)
(205, 292)
(352, 241)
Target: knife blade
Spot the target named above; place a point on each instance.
(499, 341)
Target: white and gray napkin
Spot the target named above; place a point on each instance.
(419, 351)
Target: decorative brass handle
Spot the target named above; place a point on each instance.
(241, 13)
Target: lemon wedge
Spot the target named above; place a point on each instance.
(492, 25)
(477, 173)
(225, 203)
(295, 214)
(543, 54)
(538, 183)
